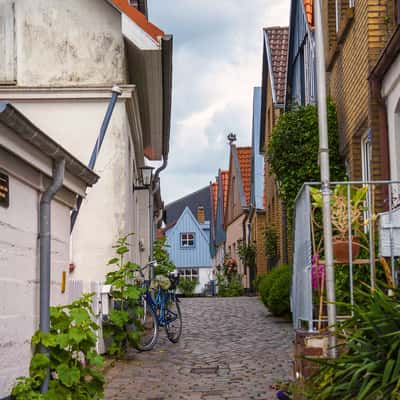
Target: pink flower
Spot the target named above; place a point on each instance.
(317, 272)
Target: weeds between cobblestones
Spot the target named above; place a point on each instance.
(231, 348)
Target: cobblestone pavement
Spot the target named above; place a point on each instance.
(244, 349)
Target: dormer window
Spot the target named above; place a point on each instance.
(187, 240)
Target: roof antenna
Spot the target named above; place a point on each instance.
(232, 138)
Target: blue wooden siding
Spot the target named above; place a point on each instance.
(301, 75)
(196, 256)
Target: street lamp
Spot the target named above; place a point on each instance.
(145, 178)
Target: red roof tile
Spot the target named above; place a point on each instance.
(136, 16)
(224, 182)
(278, 44)
(244, 156)
(308, 7)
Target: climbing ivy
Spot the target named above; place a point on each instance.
(294, 150)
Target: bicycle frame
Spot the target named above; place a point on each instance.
(159, 305)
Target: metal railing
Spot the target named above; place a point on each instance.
(380, 221)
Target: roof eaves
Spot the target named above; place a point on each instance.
(270, 66)
(139, 18)
(24, 128)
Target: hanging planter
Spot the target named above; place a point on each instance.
(341, 250)
(346, 220)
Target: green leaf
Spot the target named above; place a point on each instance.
(119, 317)
(80, 315)
(77, 335)
(122, 250)
(114, 260)
(69, 376)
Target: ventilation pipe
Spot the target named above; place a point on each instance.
(45, 252)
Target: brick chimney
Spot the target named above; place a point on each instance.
(201, 216)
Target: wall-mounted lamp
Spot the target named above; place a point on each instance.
(145, 178)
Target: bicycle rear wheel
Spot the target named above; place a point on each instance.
(149, 329)
(173, 324)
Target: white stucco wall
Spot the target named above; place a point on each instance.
(110, 209)
(91, 53)
(391, 94)
(19, 276)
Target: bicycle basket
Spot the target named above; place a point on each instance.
(160, 281)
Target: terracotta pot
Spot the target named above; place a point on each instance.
(341, 250)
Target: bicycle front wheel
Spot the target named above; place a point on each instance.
(149, 329)
(173, 324)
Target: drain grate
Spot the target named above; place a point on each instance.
(204, 370)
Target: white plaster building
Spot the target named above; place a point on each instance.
(27, 156)
(61, 60)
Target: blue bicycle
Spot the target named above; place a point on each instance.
(160, 309)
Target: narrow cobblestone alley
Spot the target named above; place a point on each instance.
(231, 348)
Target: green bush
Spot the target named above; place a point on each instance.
(368, 367)
(274, 290)
(279, 293)
(74, 365)
(229, 287)
(187, 286)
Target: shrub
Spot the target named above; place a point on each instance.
(164, 264)
(126, 293)
(279, 294)
(368, 367)
(274, 290)
(75, 367)
(229, 287)
(265, 284)
(187, 286)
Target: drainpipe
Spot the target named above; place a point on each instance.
(45, 252)
(152, 192)
(116, 92)
(325, 177)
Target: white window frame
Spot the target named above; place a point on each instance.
(338, 11)
(366, 157)
(190, 273)
(187, 240)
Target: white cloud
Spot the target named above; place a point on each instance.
(217, 62)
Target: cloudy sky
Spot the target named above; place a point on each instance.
(217, 62)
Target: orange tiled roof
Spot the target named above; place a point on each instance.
(135, 15)
(244, 156)
(308, 7)
(278, 43)
(224, 182)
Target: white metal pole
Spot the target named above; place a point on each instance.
(325, 178)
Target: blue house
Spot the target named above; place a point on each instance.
(188, 238)
(301, 67)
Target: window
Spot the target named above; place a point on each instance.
(187, 239)
(366, 157)
(190, 273)
(340, 9)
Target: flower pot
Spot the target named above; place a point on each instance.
(341, 250)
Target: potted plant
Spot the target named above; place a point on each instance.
(340, 218)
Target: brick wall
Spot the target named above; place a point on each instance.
(351, 54)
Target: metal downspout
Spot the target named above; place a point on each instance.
(152, 192)
(45, 252)
(116, 92)
(325, 178)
